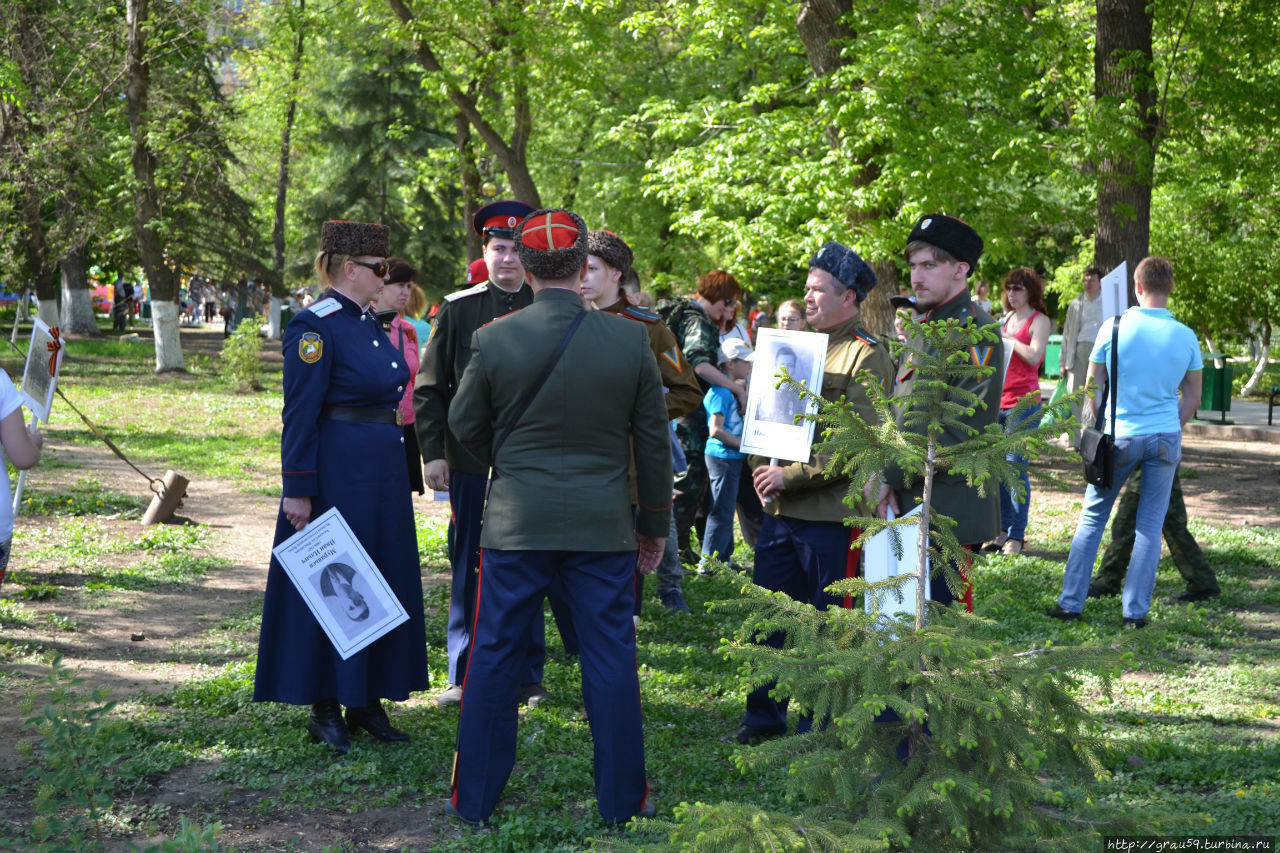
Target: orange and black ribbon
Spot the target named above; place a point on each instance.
(53, 346)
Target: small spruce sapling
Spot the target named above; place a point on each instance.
(932, 735)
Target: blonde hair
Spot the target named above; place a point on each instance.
(794, 304)
(417, 301)
(326, 263)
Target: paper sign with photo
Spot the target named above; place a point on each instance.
(40, 376)
(881, 563)
(340, 584)
(770, 427)
(1115, 292)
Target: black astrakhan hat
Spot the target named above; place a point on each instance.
(845, 267)
(953, 235)
(339, 237)
(500, 218)
(611, 249)
(552, 243)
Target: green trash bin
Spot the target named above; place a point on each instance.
(1053, 356)
(285, 316)
(1215, 393)
(146, 310)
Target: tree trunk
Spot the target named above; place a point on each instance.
(1124, 79)
(163, 284)
(275, 324)
(470, 179)
(77, 305)
(1264, 358)
(167, 332)
(824, 36)
(46, 287)
(510, 155)
(278, 290)
(877, 313)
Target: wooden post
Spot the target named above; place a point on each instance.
(167, 499)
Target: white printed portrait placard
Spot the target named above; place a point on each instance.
(771, 427)
(881, 563)
(340, 584)
(1115, 291)
(40, 376)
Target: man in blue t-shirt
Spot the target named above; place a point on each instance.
(1157, 358)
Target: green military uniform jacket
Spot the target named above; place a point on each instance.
(560, 479)
(977, 518)
(810, 494)
(443, 361)
(683, 393)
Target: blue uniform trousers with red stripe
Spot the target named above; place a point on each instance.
(802, 558)
(466, 500)
(513, 585)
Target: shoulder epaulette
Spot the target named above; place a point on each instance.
(865, 337)
(470, 291)
(325, 307)
(644, 315)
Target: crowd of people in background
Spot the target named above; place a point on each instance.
(641, 429)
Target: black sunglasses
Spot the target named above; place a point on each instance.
(379, 268)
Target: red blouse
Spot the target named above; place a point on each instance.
(1022, 378)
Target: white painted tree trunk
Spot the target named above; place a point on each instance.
(77, 311)
(164, 322)
(48, 312)
(273, 318)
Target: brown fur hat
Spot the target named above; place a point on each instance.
(340, 237)
(552, 243)
(611, 249)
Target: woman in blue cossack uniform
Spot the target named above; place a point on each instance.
(343, 446)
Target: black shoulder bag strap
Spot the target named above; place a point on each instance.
(546, 374)
(1113, 376)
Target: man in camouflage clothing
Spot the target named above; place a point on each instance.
(696, 325)
(1202, 583)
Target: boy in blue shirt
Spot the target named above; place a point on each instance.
(723, 456)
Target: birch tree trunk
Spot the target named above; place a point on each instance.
(1264, 358)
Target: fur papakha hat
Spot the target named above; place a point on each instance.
(611, 249)
(846, 267)
(339, 237)
(552, 243)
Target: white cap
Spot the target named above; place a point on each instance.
(736, 348)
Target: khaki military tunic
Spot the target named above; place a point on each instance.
(810, 494)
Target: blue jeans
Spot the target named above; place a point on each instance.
(1158, 455)
(724, 475)
(1013, 514)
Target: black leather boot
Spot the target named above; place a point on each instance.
(325, 724)
(373, 719)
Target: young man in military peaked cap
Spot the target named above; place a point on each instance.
(609, 260)
(941, 253)
(532, 375)
(804, 545)
(448, 465)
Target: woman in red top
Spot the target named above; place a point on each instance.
(394, 296)
(1025, 333)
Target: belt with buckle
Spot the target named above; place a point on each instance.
(363, 415)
